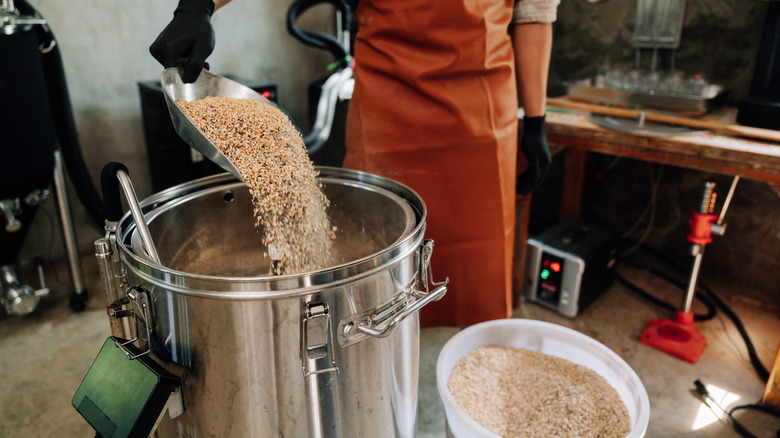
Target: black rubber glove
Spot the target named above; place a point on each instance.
(534, 146)
(187, 40)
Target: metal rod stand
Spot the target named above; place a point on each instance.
(78, 299)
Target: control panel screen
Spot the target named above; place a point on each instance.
(550, 276)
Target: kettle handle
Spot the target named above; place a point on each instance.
(378, 329)
(380, 321)
(113, 177)
(112, 200)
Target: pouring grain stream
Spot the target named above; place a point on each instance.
(270, 155)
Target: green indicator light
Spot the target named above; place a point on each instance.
(545, 273)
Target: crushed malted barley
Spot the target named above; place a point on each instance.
(514, 392)
(269, 153)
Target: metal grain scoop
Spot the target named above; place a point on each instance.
(207, 84)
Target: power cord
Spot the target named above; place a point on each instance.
(650, 209)
(754, 407)
(711, 310)
(706, 398)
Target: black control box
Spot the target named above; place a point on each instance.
(569, 265)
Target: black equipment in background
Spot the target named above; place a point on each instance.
(762, 106)
(329, 95)
(39, 135)
(569, 265)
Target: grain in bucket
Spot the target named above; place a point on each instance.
(540, 338)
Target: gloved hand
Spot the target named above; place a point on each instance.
(534, 146)
(187, 40)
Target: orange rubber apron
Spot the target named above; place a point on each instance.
(435, 108)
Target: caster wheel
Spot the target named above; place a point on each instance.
(78, 301)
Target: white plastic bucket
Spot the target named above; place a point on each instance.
(545, 338)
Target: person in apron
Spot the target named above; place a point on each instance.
(435, 107)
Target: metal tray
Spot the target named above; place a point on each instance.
(641, 127)
(584, 90)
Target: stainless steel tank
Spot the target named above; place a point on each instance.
(331, 353)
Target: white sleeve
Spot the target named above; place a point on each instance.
(535, 11)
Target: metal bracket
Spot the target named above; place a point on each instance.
(426, 272)
(140, 297)
(174, 406)
(175, 403)
(316, 340)
(118, 312)
(114, 280)
(9, 208)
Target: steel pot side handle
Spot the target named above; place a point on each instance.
(380, 321)
(371, 327)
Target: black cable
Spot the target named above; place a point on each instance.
(754, 407)
(718, 410)
(655, 183)
(316, 39)
(711, 310)
(759, 368)
(762, 372)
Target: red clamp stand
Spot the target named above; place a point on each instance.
(701, 228)
(679, 336)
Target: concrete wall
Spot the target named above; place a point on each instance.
(105, 51)
(720, 38)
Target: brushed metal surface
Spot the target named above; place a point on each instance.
(240, 335)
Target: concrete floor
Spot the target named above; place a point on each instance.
(44, 356)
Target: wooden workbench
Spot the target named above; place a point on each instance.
(568, 127)
(708, 151)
